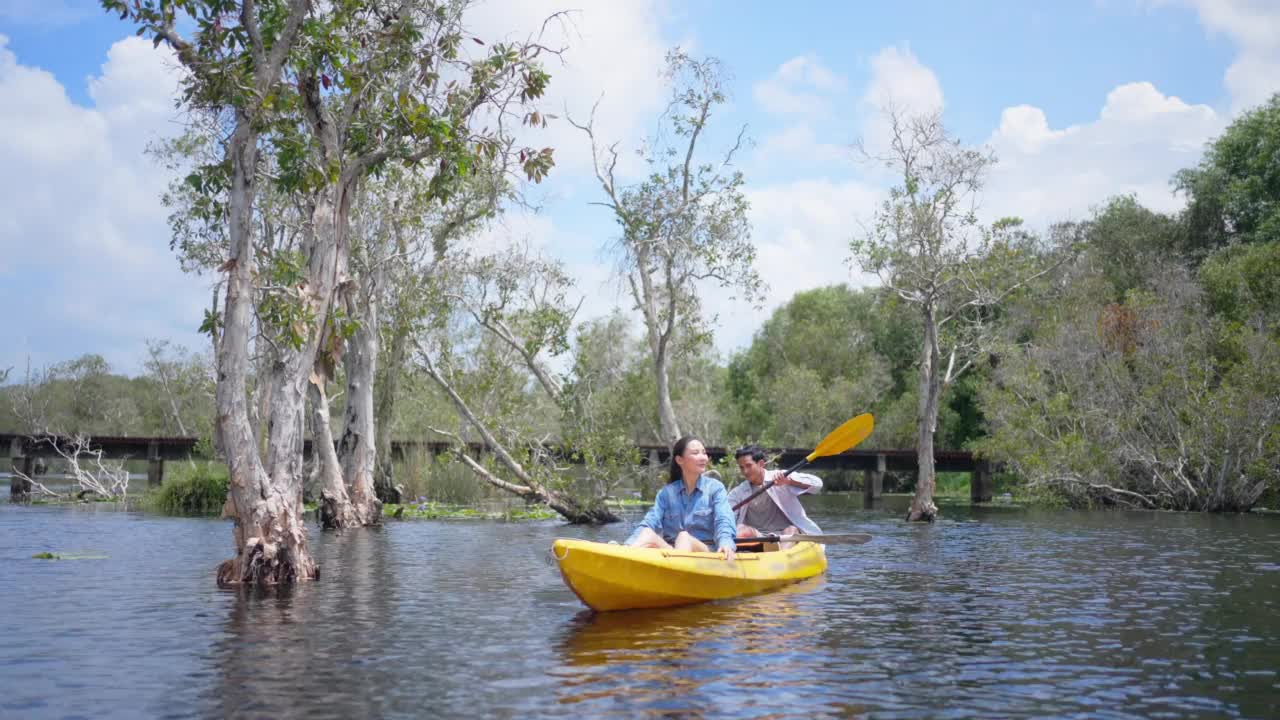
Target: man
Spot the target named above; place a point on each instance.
(776, 511)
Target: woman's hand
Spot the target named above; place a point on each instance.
(729, 553)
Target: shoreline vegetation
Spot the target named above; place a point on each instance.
(198, 488)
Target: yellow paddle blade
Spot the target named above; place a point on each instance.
(851, 433)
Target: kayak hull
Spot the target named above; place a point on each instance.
(617, 577)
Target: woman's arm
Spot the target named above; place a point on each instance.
(652, 519)
(726, 526)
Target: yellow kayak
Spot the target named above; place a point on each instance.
(617, 577)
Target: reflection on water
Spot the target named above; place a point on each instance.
(671, 660)
(986, 613)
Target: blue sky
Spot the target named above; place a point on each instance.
(1080, 100)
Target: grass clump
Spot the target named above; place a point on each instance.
(194, 488)
(431, 510)
(68, 556)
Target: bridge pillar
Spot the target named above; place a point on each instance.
(20, 485)
(155, 465)
(873, 481)
(980, 485)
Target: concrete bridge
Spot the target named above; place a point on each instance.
(25, 449)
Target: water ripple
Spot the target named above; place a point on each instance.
(984, 614)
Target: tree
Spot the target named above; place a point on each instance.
(928, 247)
(1242, 283)
(1125, 241)
(378, 83)
(1148, 404)
(607, 399)
(383, 64)
(516, 310)
(1233, 195)
(812, 365)
(405, 233)
(184, 383)
(684, 225)
(233, 61)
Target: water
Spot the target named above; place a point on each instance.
(987, 613)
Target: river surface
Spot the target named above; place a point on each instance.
(988, 613)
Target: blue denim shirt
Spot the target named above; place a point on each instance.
(705, 513)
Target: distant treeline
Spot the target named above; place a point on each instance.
(1143, 372)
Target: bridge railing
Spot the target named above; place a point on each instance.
(24, 449)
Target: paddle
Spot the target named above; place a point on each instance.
(851, 433)
(846, 539)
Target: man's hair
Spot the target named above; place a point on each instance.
(755, 451)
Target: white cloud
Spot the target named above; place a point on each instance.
(612, 53)
(900, 84)
(1139, 140)
(801, 231)
(1254, 25)
(801, 85)
(899, 80)
(84, 230)
(798, 147)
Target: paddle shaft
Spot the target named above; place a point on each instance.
(769, 484)
(835, 539)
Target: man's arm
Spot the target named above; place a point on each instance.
(797, 482)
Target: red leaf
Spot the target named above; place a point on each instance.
(324, 80)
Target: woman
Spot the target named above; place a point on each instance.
(690, 511)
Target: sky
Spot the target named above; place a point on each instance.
(1080, 101)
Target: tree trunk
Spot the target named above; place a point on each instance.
(592, 511)
(356, 446)
(265, 503)
(334, 509)
(922, 505)
(666, 411)
(385, 390)
(571, 509)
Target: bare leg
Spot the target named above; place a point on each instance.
(748, 531)
(688, 543)
(649, 538)
(791, 530)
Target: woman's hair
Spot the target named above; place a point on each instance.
(676, 451)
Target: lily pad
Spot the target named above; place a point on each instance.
(67, 556)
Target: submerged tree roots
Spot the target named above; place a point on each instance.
(263, 563)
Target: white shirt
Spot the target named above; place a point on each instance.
(785, 496)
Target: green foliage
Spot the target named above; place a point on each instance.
(83, 396)
(192, 488)
(1242, 282)
(1234, 193)
(430, 510)
(68, 556)
(814, 364)
(1125, 241)
(1140, 405)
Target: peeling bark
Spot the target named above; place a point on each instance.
(356, 448)
(922, 505)
(334, 508)
(384, 478)
(264, 502)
